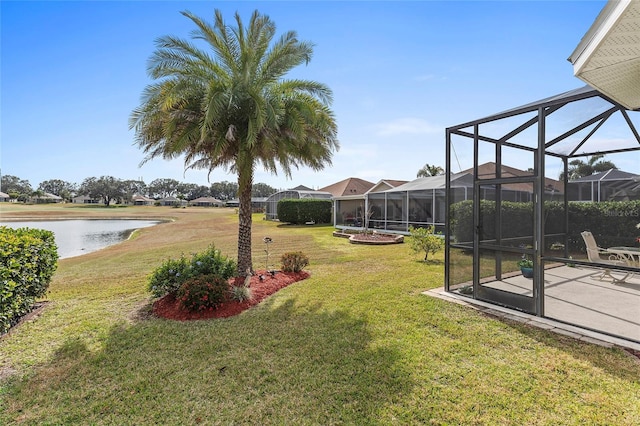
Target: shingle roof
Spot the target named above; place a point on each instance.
(349, 186)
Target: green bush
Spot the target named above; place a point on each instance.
(294, 261)
(301, 211)
(612, 223)
(28, 259)
(203, 292)
(425, 240)
(169, 276)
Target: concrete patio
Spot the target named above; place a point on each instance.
(575, 298)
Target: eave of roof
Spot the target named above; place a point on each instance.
(608, 55)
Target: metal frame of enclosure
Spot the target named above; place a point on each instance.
(271, 204)
(543, 138)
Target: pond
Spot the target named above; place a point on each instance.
(76, 237)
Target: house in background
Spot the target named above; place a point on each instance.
(4, 197)
(349, 209)
(612, 185)
(349, 186)
(172, 202)
(206, 202)
(141, 200)
(84, 199)
(257, 204)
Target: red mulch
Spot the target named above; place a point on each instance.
(168, 307)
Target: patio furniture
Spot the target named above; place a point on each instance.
(629, 255)
(594, 254)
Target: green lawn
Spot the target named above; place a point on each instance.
(356, 343)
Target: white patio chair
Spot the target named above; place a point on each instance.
(594, 254)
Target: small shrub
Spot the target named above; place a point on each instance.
(204, 292)
(241, 293)
(169, 276)
(425, 240)
(294, 261)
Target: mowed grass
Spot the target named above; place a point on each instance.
(356, 343)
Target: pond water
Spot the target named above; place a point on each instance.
(76, 237)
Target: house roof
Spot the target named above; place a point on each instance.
(435, 182)
(488, 171)
(349, 186)
(609, 175)
(206, 200)
(300, 188)
(608, 56)
(138, 197)
(3, 195)
(386, 184)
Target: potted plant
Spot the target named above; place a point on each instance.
(526, 267)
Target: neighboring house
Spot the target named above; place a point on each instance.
(612, 185)
(172, 201)
(84, 199)
(4, 197)
(206, 202)
(141, 200)
(349, 186)
(349, 209)
(47, 198)
(517, 191)
(394, 206)
(257, 204)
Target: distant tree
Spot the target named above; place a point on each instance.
(231, 107)
(429, 170)
(58, 187)
(16, 188)
(132, 187)
(595, 164)
(106, 188)
(191, 191)
(262, 190)
(163, 188)
(224, 190)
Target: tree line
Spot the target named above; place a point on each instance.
(109, 189)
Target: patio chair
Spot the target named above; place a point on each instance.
(594, 254)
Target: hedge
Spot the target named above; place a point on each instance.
(299, 211)
(612, 223)
(28, 259)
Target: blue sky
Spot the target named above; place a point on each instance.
(401, 72)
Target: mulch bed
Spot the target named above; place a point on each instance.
(168, 307)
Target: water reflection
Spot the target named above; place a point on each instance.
(78, 236)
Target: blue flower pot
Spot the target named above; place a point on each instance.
(526, 272)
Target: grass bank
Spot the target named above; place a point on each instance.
(356, 343)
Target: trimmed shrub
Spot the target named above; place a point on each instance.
(301, 211)
(28, 260)
(612, 223)
(294, 261)
(203, 292)
(169, 276)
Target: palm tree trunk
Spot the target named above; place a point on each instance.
(244, 222)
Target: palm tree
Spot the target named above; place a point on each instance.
(596, 164)
(232, 108)
(429, 170)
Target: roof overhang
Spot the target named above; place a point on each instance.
(608, 56)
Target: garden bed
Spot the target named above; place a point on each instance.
(170, 308)
(371, 238)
